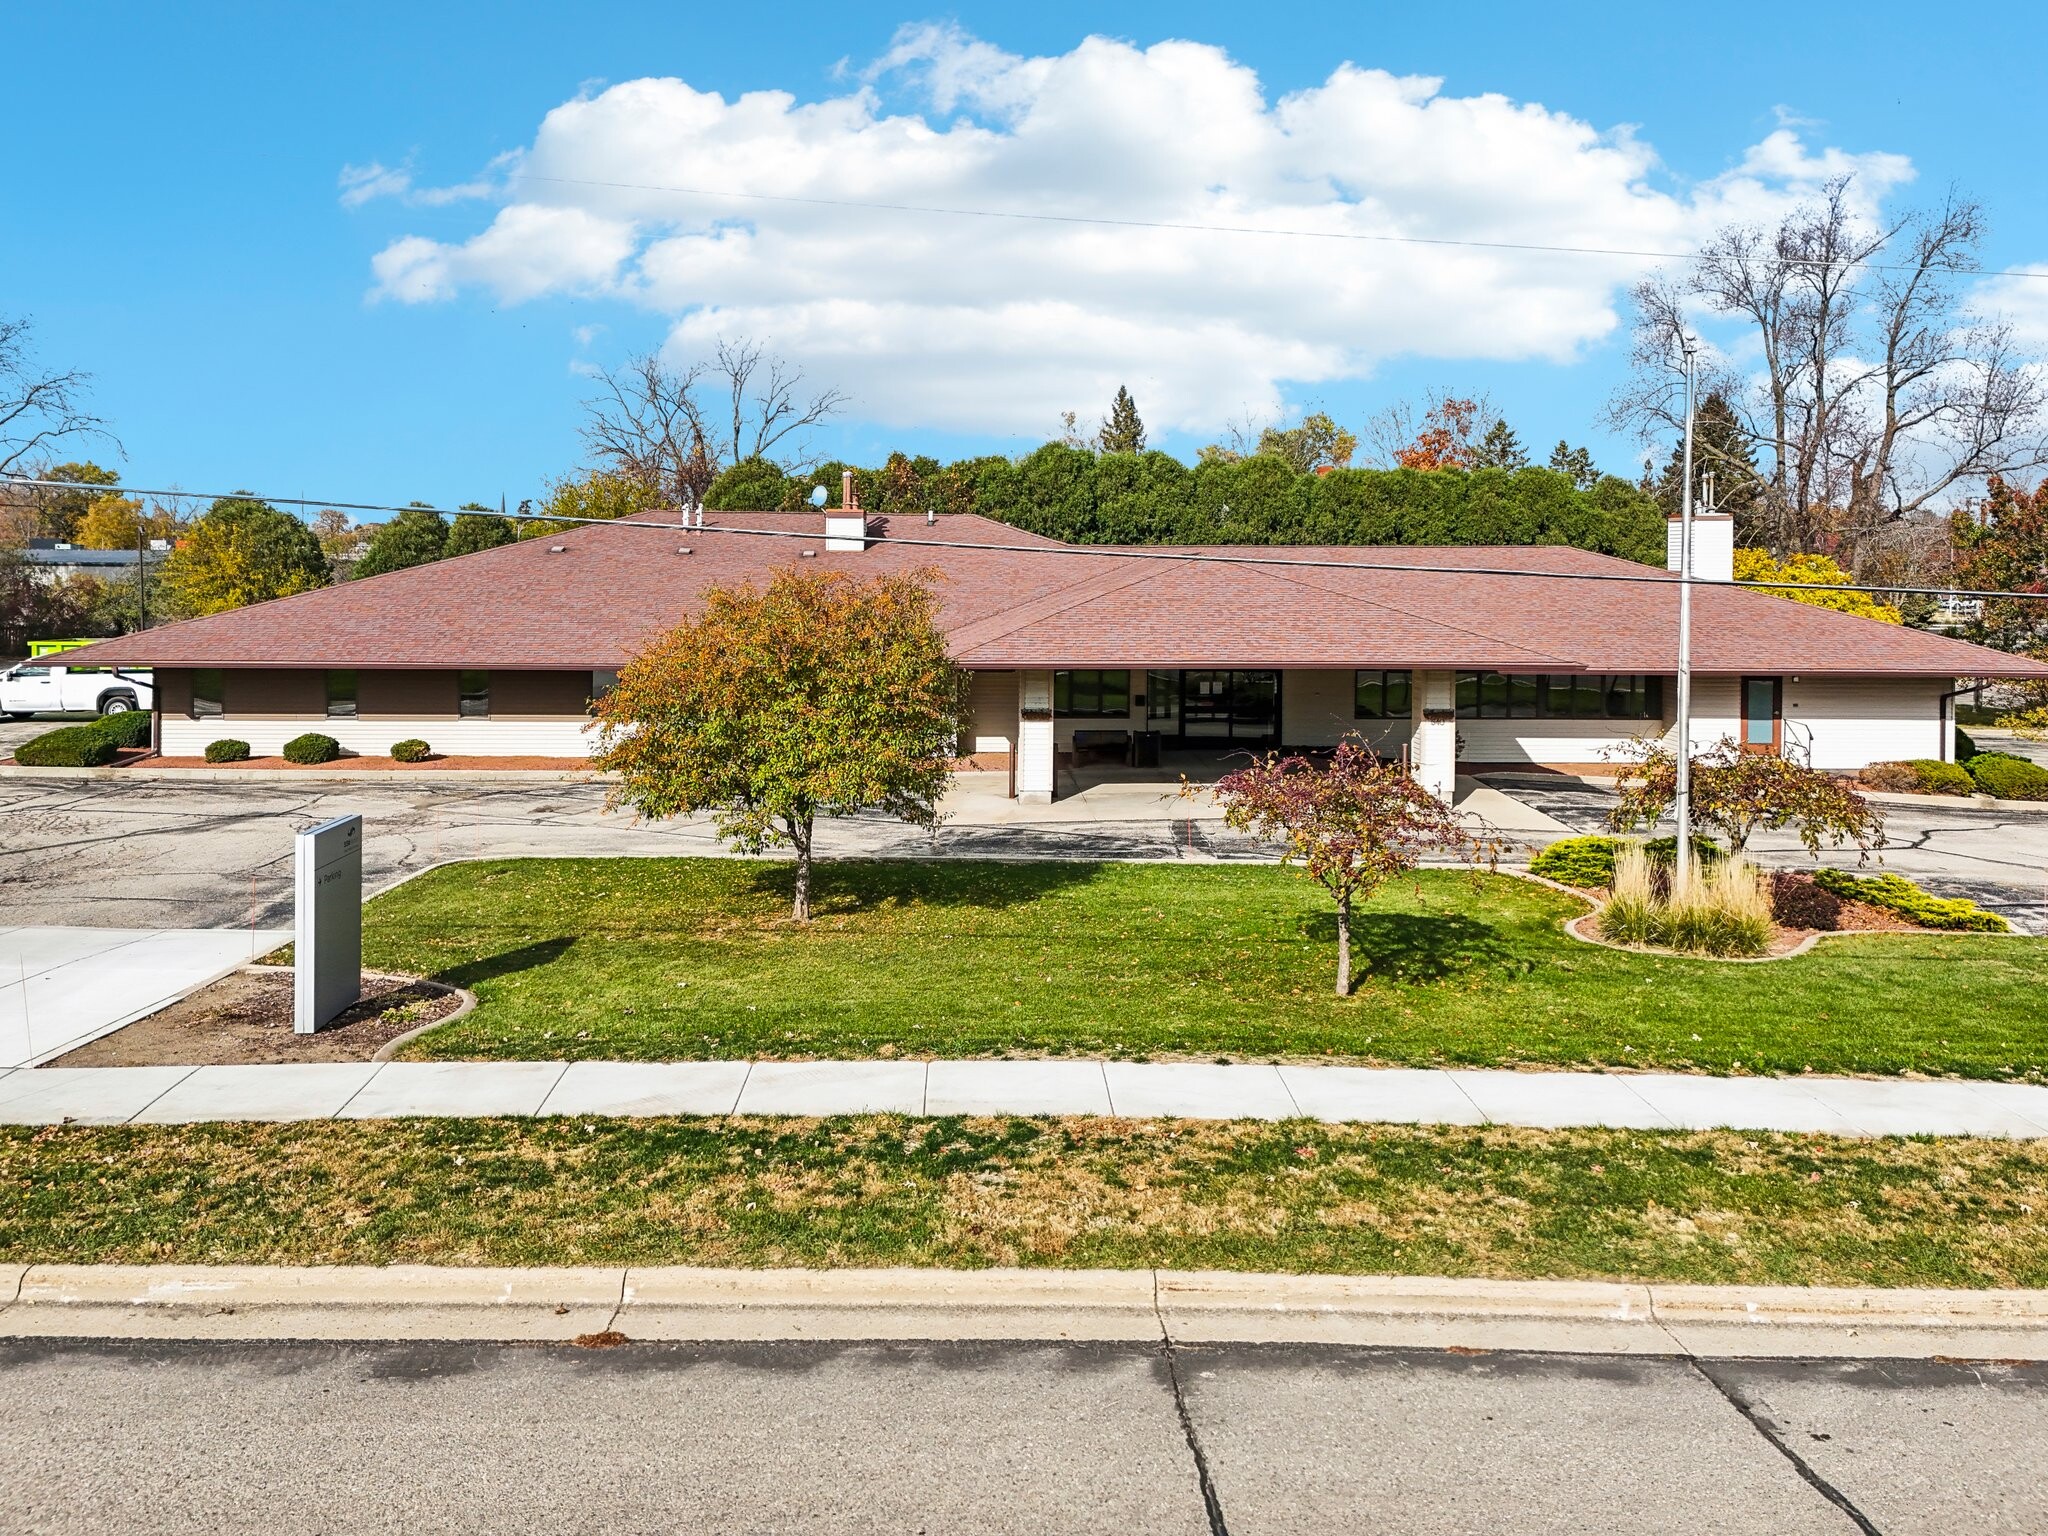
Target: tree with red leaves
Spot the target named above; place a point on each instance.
(1352, 822)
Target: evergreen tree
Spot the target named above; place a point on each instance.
(476, 527)
(411, 538)
(1576, 462)
(1721, 448)
(1123, 432)
(1500, 449)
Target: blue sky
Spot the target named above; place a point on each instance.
(182, 233)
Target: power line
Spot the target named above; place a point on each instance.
(1190, 554)
(1195, 227)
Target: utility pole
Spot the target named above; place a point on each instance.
(1681, 870)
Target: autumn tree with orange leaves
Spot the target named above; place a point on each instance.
(820, 696)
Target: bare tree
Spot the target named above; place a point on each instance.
(1393, 430)
(38, 409)
(675, 430)
(1874, 393)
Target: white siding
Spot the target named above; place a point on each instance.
(1856, 721)
(374, 738)
(995, 711)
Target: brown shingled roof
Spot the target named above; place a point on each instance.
(592, 596)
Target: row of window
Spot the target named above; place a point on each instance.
(209, 694)
(1520, 696)
(1104, 693)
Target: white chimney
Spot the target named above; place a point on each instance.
(846, 527)
(1713, 545)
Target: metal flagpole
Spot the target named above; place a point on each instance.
(1681, 874)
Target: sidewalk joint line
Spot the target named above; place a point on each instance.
(376, 1071)
(1465, 1093)
(1287, 1088)
(1769, 1431)
(619, 1309)
(746, 1077)
(1107, 1097)
(177, 1082)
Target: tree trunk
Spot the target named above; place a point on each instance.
(800, 840)
(1344, 946)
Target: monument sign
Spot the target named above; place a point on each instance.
(327, 869)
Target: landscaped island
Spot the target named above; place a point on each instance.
(690, 959)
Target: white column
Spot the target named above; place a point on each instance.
(1433, 745)
(1033, 748)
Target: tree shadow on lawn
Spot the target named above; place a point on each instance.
(842, 887)
(526, 957)
(1418, 946)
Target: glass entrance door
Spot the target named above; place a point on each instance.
(1230, 706)
(1762, 714)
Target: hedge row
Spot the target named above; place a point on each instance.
(92, 745)
(1153, 498)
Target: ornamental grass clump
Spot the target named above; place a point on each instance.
(1726, 912)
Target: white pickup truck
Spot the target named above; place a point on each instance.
(46, 686)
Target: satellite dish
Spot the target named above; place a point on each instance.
(819, 495)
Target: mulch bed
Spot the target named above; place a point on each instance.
(382, 764)
(247, 1018)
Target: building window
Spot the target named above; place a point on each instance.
(1384, 696)
(473, 701)
(1562, 696)
(341, 693)
(1094, 693)
(1162, 695)
(208, 700)
(602, 681)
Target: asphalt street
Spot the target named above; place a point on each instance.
(1010, 1437)
(162, 854)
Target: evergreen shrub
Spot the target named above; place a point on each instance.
(411, 750)
(312, 748)
(1895, 893)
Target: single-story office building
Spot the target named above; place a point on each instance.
(1461, 658)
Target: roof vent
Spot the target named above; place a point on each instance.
(807, 554)
(683, 549)
(558, 549)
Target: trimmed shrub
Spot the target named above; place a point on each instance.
(69, 746)
(312, 748)
(1580, 861)
(1895, 893)
(410, 750)
(2009, 777)
(1965, 747)
(130, 728)
(1920, 776)
(1798, 902)
(227, 750)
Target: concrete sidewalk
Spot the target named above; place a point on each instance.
(1190, 1090)
(60, 987)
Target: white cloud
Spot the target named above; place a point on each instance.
(2020, 299)
(995, 323)
(361, 184)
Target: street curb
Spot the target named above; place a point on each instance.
(600, 1304)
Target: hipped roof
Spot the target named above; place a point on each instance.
(595, 595)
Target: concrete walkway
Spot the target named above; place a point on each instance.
(60, 987)
(1190, 1090)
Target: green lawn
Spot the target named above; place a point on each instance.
(695, 958)
(1707, 1207)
